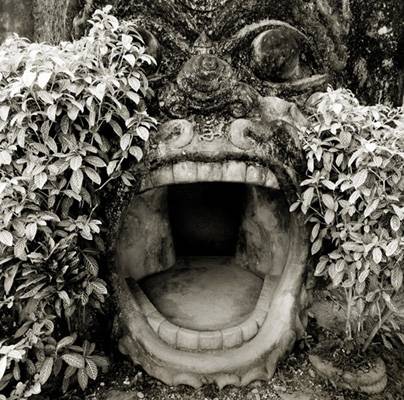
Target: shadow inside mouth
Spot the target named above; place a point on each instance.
(206, 289)
(205, 217)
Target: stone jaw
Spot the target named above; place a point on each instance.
(255, 360)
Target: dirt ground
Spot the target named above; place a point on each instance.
(295, 378)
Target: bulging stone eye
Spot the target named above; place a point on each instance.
(276, 54)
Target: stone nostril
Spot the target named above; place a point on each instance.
(209, 63)
(239, 134)
(177, 133)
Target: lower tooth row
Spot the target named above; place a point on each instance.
(231, 171)
(187, 339)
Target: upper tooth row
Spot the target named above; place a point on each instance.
(230, 171)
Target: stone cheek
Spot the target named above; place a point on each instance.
(146, 245)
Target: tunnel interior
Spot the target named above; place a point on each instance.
(205, 218)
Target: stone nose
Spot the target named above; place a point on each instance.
(205, 75)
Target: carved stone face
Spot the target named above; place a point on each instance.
(210, 263)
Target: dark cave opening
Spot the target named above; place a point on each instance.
(205, 218)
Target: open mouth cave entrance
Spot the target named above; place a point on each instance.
(200, 252)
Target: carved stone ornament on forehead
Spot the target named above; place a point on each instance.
(210, 80)
(210, 263)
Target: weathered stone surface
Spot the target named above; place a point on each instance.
(375, 42)
(146, 244)
(329, 315)
(359, 42)
(369, 381)
(265, 233)
(54, 19)
(229, 78)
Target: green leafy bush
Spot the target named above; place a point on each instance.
(353, 199)
(72, 119)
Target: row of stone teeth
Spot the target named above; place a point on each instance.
(263, 371)
(229, 171)
(221, 379)
(193, 340)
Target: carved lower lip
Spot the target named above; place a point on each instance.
(194, 340)
(234, 366)
(191, 172)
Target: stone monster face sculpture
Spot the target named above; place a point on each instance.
(209, 261)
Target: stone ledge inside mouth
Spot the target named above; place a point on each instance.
(238, 330)
(204, 293)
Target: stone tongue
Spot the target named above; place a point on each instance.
(204, 293)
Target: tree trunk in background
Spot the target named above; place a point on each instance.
(374, 43)
(48, 21)
(376, 63)
(53, 19)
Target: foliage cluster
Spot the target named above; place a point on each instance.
(72, 119)
(353, 198)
